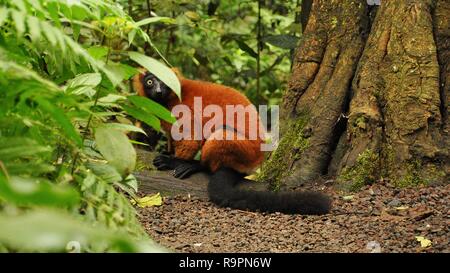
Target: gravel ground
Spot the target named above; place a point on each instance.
(379, 218)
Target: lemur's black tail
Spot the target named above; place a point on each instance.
(223, 192)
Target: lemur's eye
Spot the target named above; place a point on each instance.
(149, 82)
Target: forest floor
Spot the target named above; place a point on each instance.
(378, 218)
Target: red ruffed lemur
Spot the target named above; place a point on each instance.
(228, 160)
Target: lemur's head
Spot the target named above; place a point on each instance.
(154, 88)
(148, 85)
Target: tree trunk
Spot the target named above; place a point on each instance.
(367, 101)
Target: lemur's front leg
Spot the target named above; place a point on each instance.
(183, 162)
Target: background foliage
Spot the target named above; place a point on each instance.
(217, 40)
(66, 161)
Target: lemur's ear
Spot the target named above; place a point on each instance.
(136, 82)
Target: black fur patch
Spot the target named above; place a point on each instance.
(186, 169)
(222, 191)
(182, 168)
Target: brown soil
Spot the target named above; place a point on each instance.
(378, 214)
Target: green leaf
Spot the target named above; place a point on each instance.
(29, 168)
(161, 71)
(52, 8)
(131, 36)
(131, 182)
(20, 147)
(33, 26)
(192, 15)
(84, 84)
(111, 98)
(143, 116)
(98, 52)
(125, 127)
(122, 71)
(48, 32)
(60, 117)
(282, 41)
(47, 230)
(151, 20)
(76, 29)
(15, 71)
(139, 143)
(152, 107)
(3, 15)
(79, 12)
(242, 45)
(20, 4)
(19, 21)
(88, 181)
(88, 79)
(104, 171)
(27, 191)
(115, 146)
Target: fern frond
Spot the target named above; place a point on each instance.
(41, 29)
(11, 70)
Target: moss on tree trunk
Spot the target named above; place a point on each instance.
(367, 101)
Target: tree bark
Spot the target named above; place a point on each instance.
(367, 101)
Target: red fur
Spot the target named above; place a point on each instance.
(241, 155)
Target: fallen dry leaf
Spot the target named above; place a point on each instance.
(251, 177)
(148, 201)
(348, 197)
(254, 175)
(424, 242)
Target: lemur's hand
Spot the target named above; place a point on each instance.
(187, 168)
(182, 168)
(164, 162)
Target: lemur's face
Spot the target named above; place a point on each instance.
(154, 88)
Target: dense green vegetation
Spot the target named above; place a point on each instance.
(218, 41)
(66, 161)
